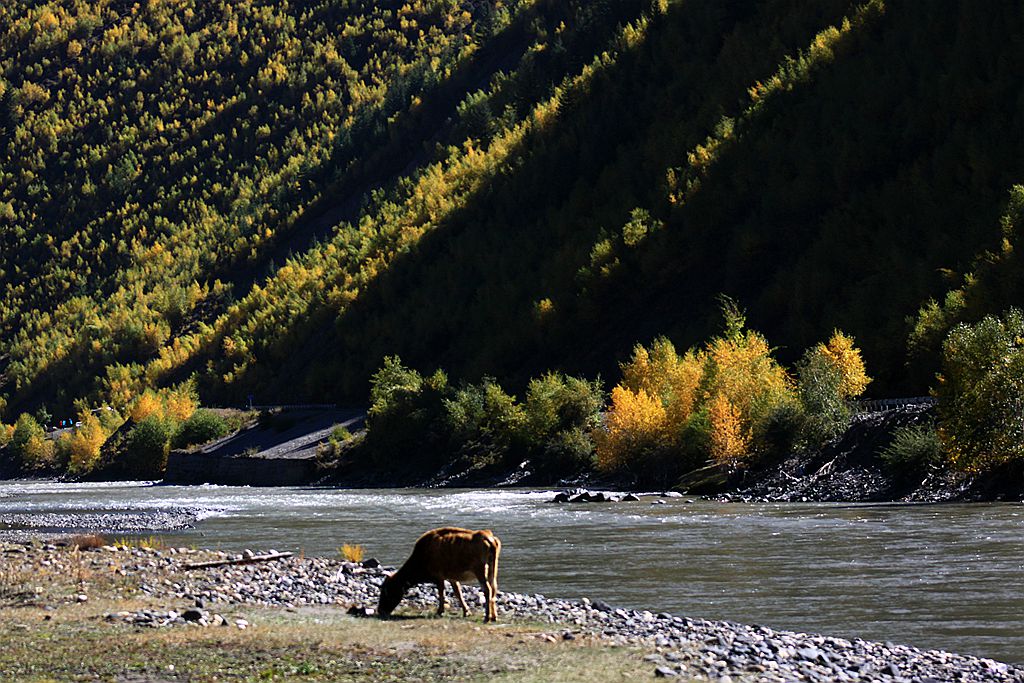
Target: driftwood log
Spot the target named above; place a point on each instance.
(245, 560)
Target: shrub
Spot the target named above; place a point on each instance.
(914, 448)
(567, 451)
(88, 541)
(393, 385)
(202, 427)
(340, 433)
(28, 443)
(485, 423)
(25, 428)
(561, 413)
(38, 452)
(826, 412)
(980, 390)
(147, 445)
(6, 433)
(744, 385)
(556, 402)
(407, 422)
(672, 412)
(663, 373)
(828, 376)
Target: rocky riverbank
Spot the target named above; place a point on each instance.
(851, 469)
(670, 645)
(18, 526)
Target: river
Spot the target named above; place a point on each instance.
(933, 576)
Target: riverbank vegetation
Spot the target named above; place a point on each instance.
(729, 402)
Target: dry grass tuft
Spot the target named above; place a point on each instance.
(352, 553)
(150, 542)
(87, 541)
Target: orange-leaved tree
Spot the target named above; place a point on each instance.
(635, 424)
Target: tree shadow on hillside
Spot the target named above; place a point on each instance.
(466, 296)
(835, 207)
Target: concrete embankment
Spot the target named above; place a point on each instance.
(278, 451)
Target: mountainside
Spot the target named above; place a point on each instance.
(272, 196)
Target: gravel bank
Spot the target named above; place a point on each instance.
(23, 526)
(675, 646)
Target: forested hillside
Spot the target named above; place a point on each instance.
(271, 197)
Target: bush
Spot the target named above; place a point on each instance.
(6, 433)
(913, 449)
(828, 376)
(147, 445)
(24, 429)
(407, 421)
(485, 423)
(29, 444)
(981, 415)
(39, 453)
(633, 432)
(826, 412)
(672, 413)
(561, 413)
(202, 427)
(556, 402)
(567, 451)
(352, 553)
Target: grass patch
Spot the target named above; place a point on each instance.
(75, 643)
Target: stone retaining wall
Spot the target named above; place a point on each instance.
(199, 468)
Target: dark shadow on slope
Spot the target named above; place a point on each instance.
(835, 207)
(463, 298)
(842, 201)
(434, 124)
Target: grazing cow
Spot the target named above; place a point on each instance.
(447, 554)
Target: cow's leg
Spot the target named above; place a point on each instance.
(440, 597)
(462, 600)
(492, 580)
(482, 577)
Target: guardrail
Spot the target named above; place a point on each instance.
(883, 404)
(294, 406)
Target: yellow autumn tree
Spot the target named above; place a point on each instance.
(841, 353)
(181, 402)
(176, 404)
(635, 423)
(38, 452)
(741, 368)
(661, 372)
(84, 443)
(149, 403)
(729, 438)
(829, 375)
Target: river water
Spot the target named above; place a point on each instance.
(933, 576)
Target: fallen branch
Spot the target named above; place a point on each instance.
(244, 560)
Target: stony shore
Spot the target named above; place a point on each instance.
(671, 645)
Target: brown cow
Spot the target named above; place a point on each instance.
(447, 554)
